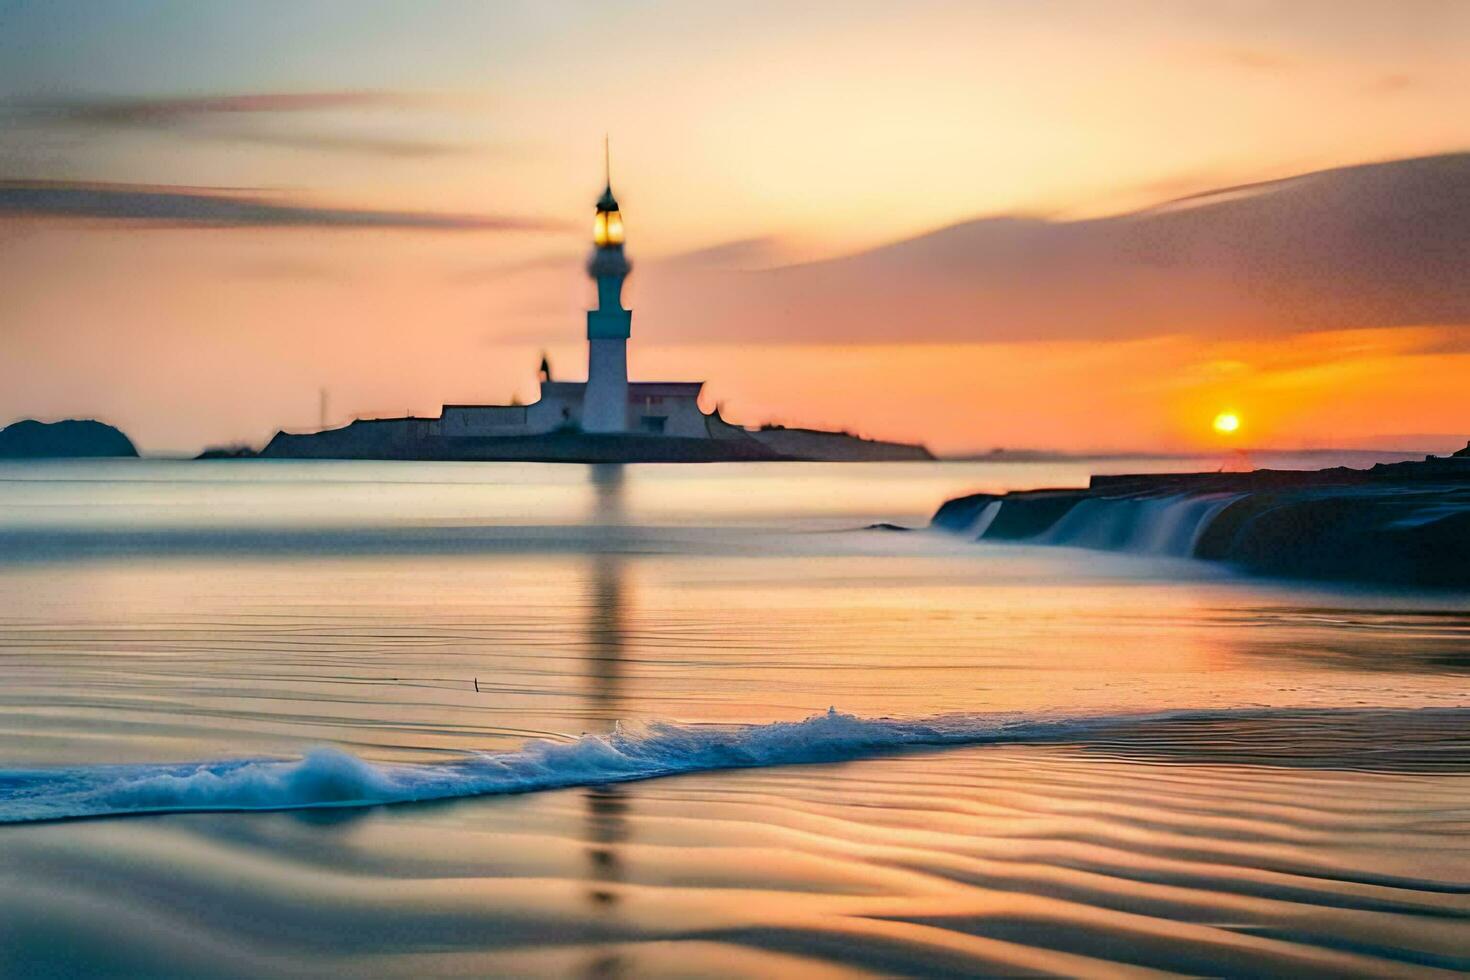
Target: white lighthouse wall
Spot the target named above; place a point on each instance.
(605, 405)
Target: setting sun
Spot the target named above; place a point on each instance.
(1226, 423)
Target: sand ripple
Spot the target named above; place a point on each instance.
(1178, 848)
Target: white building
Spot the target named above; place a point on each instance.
(665, 408)
(606, 402)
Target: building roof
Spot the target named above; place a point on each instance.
(642, 389)
(689, 388)
(467, 405)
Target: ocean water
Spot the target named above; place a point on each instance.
(265, 718)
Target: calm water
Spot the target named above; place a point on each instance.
(176, 636)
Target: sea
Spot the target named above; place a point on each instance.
(310, 718)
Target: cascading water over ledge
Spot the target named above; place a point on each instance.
(1405, 523)
(1167, 525)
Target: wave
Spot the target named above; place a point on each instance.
(332, 778)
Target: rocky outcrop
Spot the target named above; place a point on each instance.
(30, 439)
(1414, 536)
(228, 452)
(1405, 523)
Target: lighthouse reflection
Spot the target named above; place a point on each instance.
(606, 630)
(605, 807)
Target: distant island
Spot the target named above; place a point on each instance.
(31, 439)
(439, 439)
(605, 419)
(1405, 523)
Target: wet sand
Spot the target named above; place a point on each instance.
(1101, 859)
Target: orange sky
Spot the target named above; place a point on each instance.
(814, 133)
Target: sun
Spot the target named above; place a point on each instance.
(1226, 423)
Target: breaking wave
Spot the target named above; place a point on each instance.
(332, 778)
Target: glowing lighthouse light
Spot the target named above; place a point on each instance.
(1227, 423)
(607, 228)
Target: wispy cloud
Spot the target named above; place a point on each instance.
(1374, 245)
(173, 206)
(386, 146)
(244, 117)
(766, 252)
(127, 112)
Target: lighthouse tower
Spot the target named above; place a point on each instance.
(605, 404)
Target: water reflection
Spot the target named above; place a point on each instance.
(1397, 640)
(606, 624)
(1428, 740)
(606, 807)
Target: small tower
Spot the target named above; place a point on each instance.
(605, 403)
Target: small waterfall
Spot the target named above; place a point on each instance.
(1175, 527)
(1151, 525)
(982, 521)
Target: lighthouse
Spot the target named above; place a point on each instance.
(605, 405)
(662, 420)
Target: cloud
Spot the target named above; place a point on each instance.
(1444, 340)
(385, 146)
(1376, 245)
(748, 253)
(173, 206)
(239, 117)
(127, 112)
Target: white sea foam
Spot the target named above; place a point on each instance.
(331, 778)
